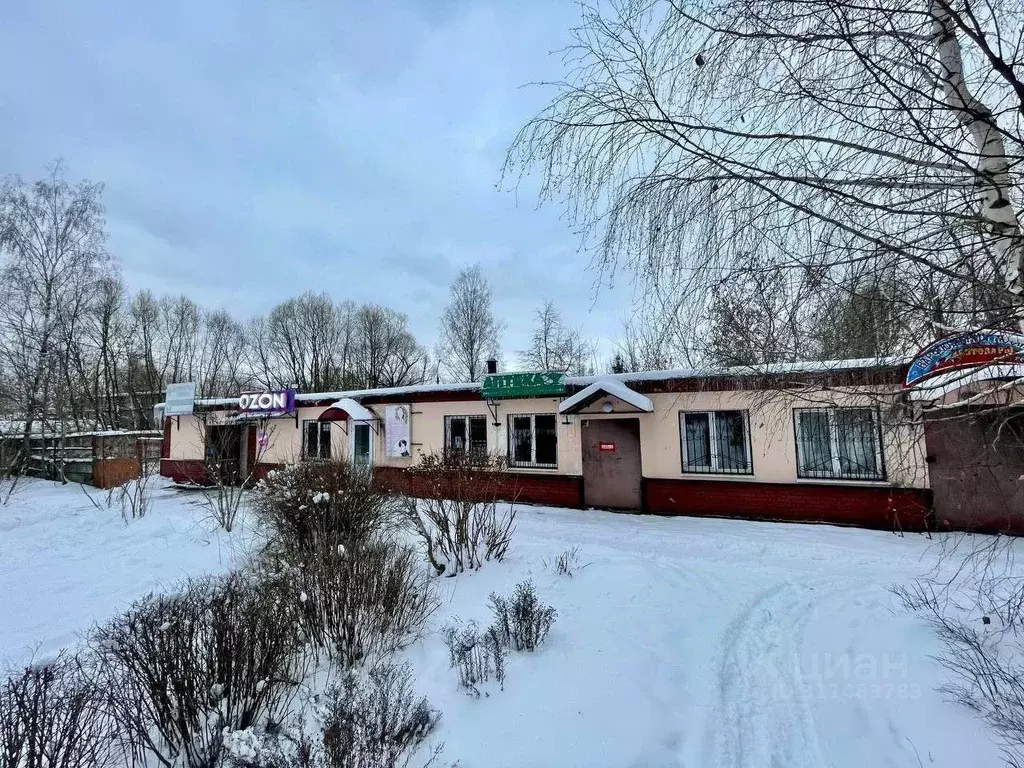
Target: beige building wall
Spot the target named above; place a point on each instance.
(186, 438)
(772, 438)
(427, 430)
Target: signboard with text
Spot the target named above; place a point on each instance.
(973, 349)
(276, 401)
(497, 386)
(180, 399)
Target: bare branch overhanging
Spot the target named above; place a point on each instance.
(852, 144)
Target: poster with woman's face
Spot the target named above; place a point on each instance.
(397, 437)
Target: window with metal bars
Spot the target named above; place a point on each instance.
(715, 442)
(466, 435)
(839, 443)
(533, 440)
(316, 440)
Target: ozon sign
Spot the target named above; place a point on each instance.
(276, 401)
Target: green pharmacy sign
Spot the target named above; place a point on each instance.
(498, 386)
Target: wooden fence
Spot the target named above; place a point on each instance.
(103, 459)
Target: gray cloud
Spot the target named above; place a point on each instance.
(253, 150)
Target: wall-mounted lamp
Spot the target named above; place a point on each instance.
(607, 408)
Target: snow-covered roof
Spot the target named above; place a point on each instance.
(825, 366)
(116, 433)
(606, 386)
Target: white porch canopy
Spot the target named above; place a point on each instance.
(604, 388)
(347, 409)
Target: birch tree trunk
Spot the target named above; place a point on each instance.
(995, 180)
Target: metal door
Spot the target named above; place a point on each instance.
(975, 468)
(611, 463)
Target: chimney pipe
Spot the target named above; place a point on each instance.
(492, 366)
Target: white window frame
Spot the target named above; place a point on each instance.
(466, 419)
(352, 442)
(715, 468)
(833, 439)
(512, 462)
(320, 432)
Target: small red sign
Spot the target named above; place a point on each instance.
(606, 446)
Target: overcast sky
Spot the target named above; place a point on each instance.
(253, 150)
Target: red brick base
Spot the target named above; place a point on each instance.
(551, 490)
(194, 471)
(184, 470)
(904, 509)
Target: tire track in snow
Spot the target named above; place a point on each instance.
(763, 716)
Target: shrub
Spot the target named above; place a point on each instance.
(361, 603)
(523, 622)
(369, 720)
(180, 669)
(274, 749)
(321, 504)
(476, 656)
(377, 722)
(458, 517)
(51, 717)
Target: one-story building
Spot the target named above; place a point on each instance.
(836, 442)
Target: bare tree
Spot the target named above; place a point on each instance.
(827, 136)
(554, 346)
(387, 353)
(222, 353)
(145, 376)
(98, 351)
(754, 317)
(299, 342)
(181, 320)
(470, 333)
(52, 237)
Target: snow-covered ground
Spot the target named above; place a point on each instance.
(684, 642)
(64, 564)
(690, 642)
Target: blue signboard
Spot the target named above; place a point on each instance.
(973, 349)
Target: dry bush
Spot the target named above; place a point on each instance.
(522, 622)
(376, 722)
(133, 497)
(980, 620)
(224, 502)
(360, 603)
(458, 517)
(321, 504)
(566, 564)
(180, 669)
(476, 656)
(51, 716)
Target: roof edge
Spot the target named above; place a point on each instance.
(809, 368)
